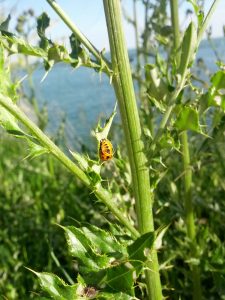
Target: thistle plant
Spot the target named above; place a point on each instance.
(116, 264)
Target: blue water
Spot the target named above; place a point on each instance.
(82, 95)
(206, 52)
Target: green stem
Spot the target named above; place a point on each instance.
(205, 23)
(146, 32)
(175, 27)
(81, 37)
(184, 140)
(67, 276)
(141, 86)
(123, 85)
(138, 70)
(189, 214)
(188, 189)
(175, 22)
(100, 193)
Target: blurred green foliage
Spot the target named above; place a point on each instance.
(34, 196)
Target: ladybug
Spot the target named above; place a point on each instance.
(105, 150)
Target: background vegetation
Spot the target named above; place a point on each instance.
(185, 160)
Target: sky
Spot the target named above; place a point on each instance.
(88, 15)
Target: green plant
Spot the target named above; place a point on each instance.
(129, 251)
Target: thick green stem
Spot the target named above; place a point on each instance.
(189, 214)
(100, 193)
(123, 85)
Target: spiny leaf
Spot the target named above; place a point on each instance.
(17, 45)
(57, 288)
(102, 132)
(160, 232)
(52, 53)
(120, 278)
(170, 140)
(7, 87)
(188, 119)
(82, 248)
(103, 240)
(35, 150)
(8, 122)
(58, 53)
(101, 66)
(216, 94)
(91, 168)
(136, 250)
(157, 103)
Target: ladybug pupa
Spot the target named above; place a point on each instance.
(105, 150)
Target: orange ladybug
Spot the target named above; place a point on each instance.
(105, 150)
